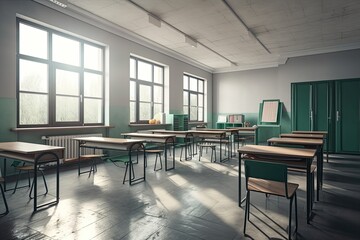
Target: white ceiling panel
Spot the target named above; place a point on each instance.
(236, 34)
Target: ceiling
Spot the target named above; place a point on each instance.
(234, 35)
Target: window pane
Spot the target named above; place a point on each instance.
(158, 94)
(144, 71)
(67, 109)
(93, 57)
(200, 114)
(186, 110)
(132, 68)
(67, 82)
(158, 74)
(186, 82)
(93, 85)
(201, 86)
(92, 110)
(33, 41)
(66, 50)
(132, 90)
(145, 93)
(157, 109)
(33, 108)
(201, 100)
(193, 84)
(33, 76)
(193, 100)
(186, 98)
(132, 112)
(193, 113)
(145, 111)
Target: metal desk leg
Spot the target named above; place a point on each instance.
(308, 191)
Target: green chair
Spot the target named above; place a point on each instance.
(28, 168)
(271, 179)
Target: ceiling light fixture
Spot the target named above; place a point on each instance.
(154, 20)
(190, 41)
(61, 3)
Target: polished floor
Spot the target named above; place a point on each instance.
(197, 200)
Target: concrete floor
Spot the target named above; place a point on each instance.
(197, 200)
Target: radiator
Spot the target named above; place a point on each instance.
(71, 146)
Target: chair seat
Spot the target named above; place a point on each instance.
(154, 150)
(206, 145)
(88, 156)
(26, 168)
(302, 170)
(271, 187)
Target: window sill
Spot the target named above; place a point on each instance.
(58, 128)
(148, 125)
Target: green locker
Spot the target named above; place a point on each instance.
(313, 108)
(348, 116)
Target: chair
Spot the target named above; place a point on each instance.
(28, 169)
(271, 179)
(89, 157)
(158, 153)
(207, 145)
(3, 195)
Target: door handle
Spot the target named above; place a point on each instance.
(337, 116)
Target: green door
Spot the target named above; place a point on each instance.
(300, 113)
(323, 110)
(347, 116)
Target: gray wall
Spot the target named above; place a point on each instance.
(241, 92)
(119, 50)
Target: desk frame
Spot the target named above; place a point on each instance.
(288, 156)
(41, 154)
(168, 140)
(116, 144)
(310, 143)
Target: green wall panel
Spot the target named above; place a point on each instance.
(7, 119)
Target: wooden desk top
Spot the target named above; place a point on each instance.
(148, 135)
(278, 151)
(246, 129)
(120, 141)
(27, 148)
(299, 141)
(310, 132)
(207, 131)
(298, 135)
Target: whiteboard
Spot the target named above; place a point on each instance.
(270, 111)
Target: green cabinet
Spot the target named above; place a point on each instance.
(179, 122)
(312, 105)
(348, 116)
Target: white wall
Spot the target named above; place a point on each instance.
(241, 92)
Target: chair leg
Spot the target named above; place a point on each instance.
(296, 215)
(248, 202)
(290, 215)
(246, 209)
(45, 184)
(5, 202)
(200, 152)
(156, 159)
(17, 181)
(126, 169)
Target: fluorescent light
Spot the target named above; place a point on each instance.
(154, 20)
(190, 41)
(61, 3)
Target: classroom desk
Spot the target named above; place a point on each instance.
(306, 143)
(166, 139)
(245, 131)
(292, 157)
(35, 154)
(186, 135)
(118, 144)
(325, 136)
(218, 135)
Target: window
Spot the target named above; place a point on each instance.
(193, 98)
(60, 78)
(146, 90)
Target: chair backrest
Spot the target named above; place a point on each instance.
(267, 171)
